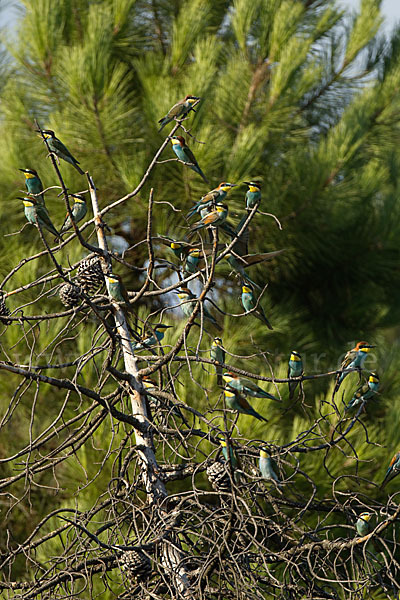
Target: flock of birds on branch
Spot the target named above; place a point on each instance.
(213, 213)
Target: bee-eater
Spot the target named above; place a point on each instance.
(246, 386)
(393, 470)
(78, 210)
(362, 524)
(181, 248)
(179, 111)
(211, 198)
(212, 219)
(149, 341)
(354, 359)
(150, 386)
(188, 303)
(266, 466)
(295, 370)
(365, 392)
(35, 211)
(58, 148)
(217, 353)
(192, 260)
(232, 455)
(184, 153)
(33, 184)
(249, 301)
(116, 289)
(238, 266)
(235, 401)
(253, 194)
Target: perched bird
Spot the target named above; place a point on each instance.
(116, 289)
(58, 148)
(149, 341)
(246, 386)
(33, 184)
(295, 370)
(253, 194)
(217, 353)
(214, 218)
(179, 111)
(78, 210)
(266, 466)
(249, 302)
(235, 401)
(211, 198)
(188, 303)
(362, 524)
(181, 248)
(192, 260)
(239, 266)
(354, 359)
(184, 153)
(34, 211)
(365, 392)
(232, 454)
(393, 470)
(150, 386)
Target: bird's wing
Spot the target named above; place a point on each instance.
(190, 156)
(210, 218)
(350, 356)
(212, 195)
(394, 459)
(253, 259)
(61, 148)
(44, 215)
(176, 110)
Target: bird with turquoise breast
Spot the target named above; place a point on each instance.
(149, 341)
(246, 386)
(37, 214)
(217, 353)
(188, 302)
(295, 369)
(253, 194)
(365, 392)
(249, 302)
(209, 200)
(116, 289)
(184, 153)
(212, 219)
(57, 147)
(232, 454)
(236, 401)
(393, 470)
(180, 110)
(33, 184)
(79, 210)
(363, 524)
(266, 466)
(192, 261)
(354, 359)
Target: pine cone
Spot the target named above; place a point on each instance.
(218, 476)
(70, 294)
(90, 275)
(4, 311)
(135, 564)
